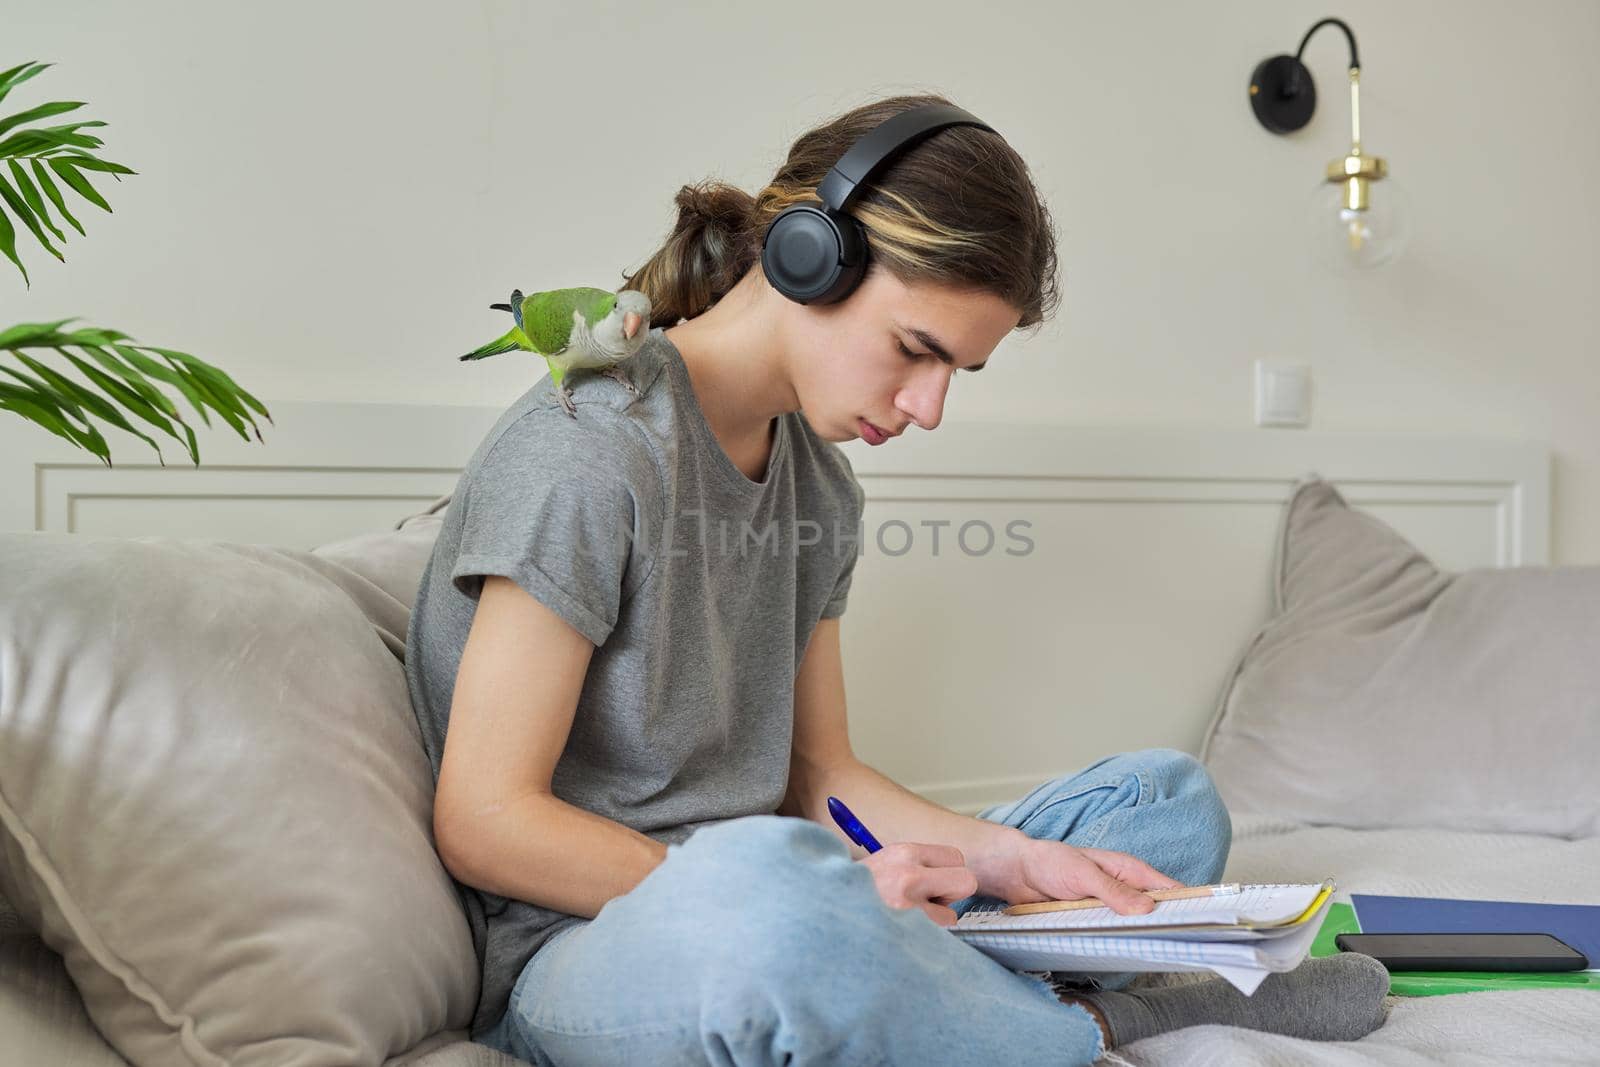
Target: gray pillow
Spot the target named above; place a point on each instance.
(393, 560)
(215, 804)
(1388, 693)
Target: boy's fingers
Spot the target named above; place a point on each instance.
(1121, 897)
(948, 884)
(1130, 869)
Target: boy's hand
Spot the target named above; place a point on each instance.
(930, 877)
(1030, 871)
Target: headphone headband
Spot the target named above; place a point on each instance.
(885, 140)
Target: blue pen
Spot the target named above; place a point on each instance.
(851, 825)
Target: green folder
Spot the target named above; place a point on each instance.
(1341, 919)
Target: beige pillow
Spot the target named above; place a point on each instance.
(393, 560)
(215, 804)
(1388, 693)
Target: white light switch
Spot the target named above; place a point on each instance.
(1283, 394)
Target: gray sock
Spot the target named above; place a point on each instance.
(1334, 998)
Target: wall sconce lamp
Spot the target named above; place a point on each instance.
(1354, 227)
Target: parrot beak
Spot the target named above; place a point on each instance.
(630, 324)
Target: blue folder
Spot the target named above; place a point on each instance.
(1576, 924)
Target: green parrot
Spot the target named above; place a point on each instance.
(574, 329)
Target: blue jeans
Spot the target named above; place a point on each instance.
(759, 941)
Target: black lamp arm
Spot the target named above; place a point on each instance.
(1355, 60)
(1283, 94)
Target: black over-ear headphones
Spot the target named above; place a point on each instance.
(817, 255)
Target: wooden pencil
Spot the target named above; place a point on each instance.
(1181, 893)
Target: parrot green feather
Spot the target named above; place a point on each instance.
(608, 326)
(513, 339)
(544, 321)
(547, 316)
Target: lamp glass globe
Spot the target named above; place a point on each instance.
(1354, 242)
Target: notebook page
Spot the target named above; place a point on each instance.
(1243, 965)
(1265, 904)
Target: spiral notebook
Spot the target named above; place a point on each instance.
(1243, 937)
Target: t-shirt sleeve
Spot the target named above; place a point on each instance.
(564, 508)
(849, 541)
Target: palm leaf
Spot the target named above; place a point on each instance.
(43, 111)
(85, 398)
(63, 167)
(44, 142)
(122, 380)
(19, 207)
(105, 166)
(25, 186)
(136, 404)
(40, 394)
(58, 155)
(42, 176)
(198, 393)
(17, 75)
(13, 399)
(219, 380)
(8, 245)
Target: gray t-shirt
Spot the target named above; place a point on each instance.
(699, 587)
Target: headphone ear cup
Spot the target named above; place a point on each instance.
(809, 257)
(852, 261)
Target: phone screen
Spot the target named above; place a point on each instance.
(1483, 950)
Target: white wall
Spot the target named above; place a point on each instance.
(330, 193)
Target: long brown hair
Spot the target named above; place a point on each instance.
(958, 208)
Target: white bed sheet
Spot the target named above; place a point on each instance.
(1545, 1027)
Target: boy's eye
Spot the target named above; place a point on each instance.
(913, 355)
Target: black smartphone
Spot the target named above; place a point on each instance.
(1466, 952)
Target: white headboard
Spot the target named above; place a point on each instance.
(1127, 568)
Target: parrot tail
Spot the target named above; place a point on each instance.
(510, 342)
(515, 307)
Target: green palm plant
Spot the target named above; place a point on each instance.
(120, 370)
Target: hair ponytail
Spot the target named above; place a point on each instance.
(709, 250)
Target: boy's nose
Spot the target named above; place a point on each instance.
(923, 399)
